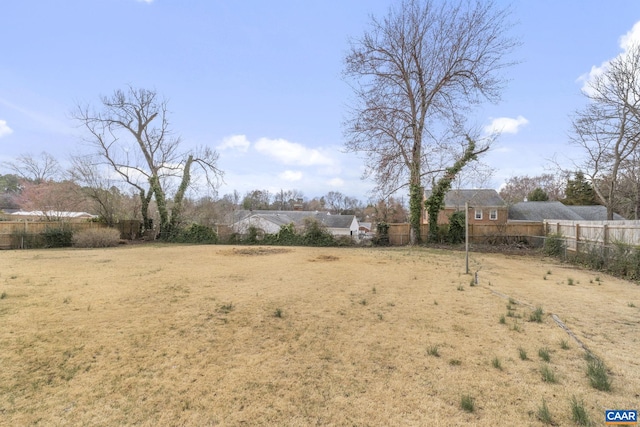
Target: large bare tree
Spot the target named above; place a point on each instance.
(36, 169)
(131, 133)
(416, 73)
(607, 129)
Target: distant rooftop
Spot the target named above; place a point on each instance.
(479, 197)
(539, 211)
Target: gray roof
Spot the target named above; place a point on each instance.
(475, 198)
(539, 211)
(297, 217)
(594, 213)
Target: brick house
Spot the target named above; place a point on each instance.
(485, 206)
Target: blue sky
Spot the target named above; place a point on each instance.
(261, 80)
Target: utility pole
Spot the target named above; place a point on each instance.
(466, 236)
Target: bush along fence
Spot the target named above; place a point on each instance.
(48, 234)
(312, 234)
(612, 247)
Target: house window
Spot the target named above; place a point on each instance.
(493, 214)
(478, 214)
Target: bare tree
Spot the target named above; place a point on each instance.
(415, 73)
(608, 128)
(517, 188)
(95, 184)
(51, 198)
(38, 169)
(257, 200)
(131, 133)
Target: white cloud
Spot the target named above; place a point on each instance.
(632, 38)
(505, 125)
(291, 153)
(626, 42)
(291, 176)
(146, 1)
(336, 182)
(4, 129)
(235, 142)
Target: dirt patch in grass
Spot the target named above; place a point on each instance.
(200, 335)
(258, 251)
(325, 257)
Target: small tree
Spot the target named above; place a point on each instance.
(579, 191)
(457, 227)
(538, 195)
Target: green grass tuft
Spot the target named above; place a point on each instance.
(544, 415)
(536, 316)
(597, 374)
(433, 351)
(496, 363)
(544, 354)
(579, 414)
(523, 353)
(548, 376)
(467, 403)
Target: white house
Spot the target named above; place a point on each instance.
(271, 221)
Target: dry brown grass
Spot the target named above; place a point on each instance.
(186, 335)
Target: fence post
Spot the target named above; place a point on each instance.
(605, 234)
(577, 231)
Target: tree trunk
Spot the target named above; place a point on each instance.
(161, 201)
(176, 211)
(145, 199)
(415, 212)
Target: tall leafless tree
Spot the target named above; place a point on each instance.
(608, 128)
(415, 74)
(131, 133)
(36, 169)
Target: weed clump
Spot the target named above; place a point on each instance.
(467, 403)
(597, 374)
(96, 238)
(544, 415)
(536, 316)
(579, 414)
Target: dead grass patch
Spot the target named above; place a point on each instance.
(325, 257)
(252, 251)
(91, 343)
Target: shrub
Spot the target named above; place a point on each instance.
(316, 234)
(58, 237)
(554, 245)
(96, 238)
(382, 234)
(456, 227)
(196, 233)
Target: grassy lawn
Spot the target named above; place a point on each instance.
(219, 335)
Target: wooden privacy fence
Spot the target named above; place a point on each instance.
(478, 233)
(600, 233)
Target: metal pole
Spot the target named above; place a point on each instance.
(466, 236)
